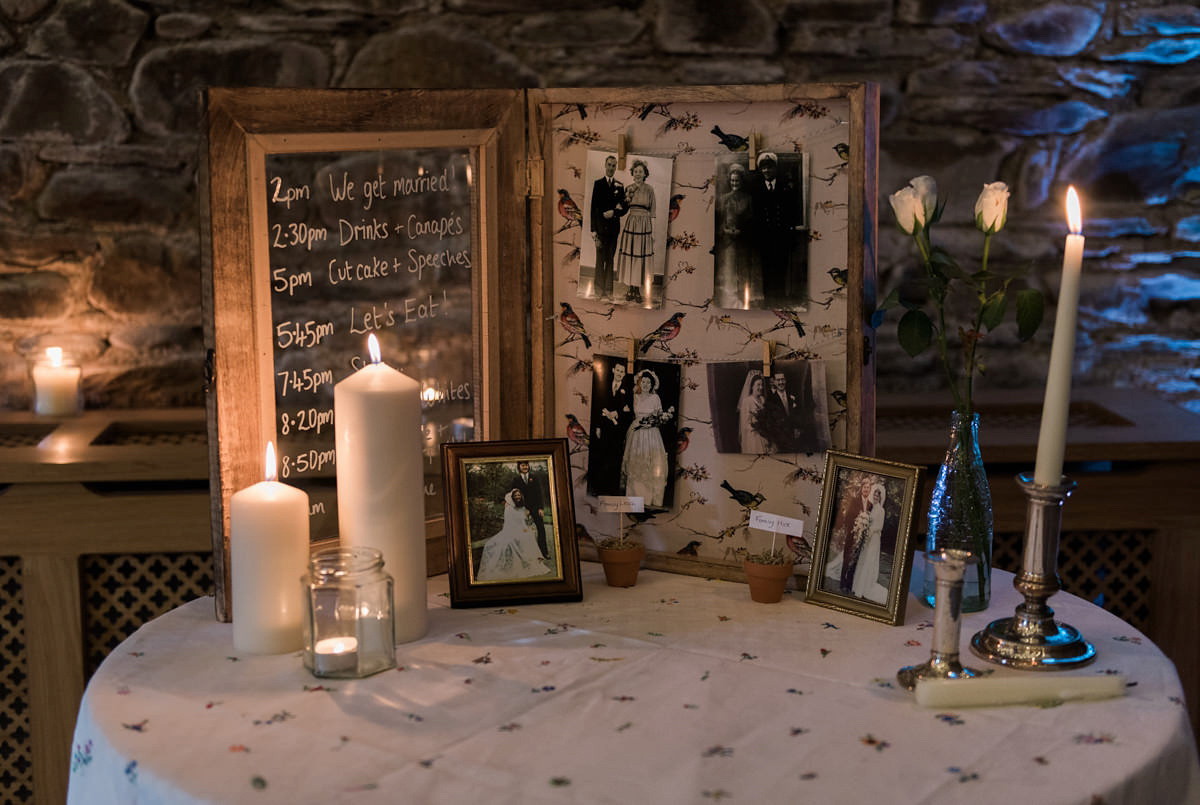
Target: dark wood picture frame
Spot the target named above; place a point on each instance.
(472, 522)
(856, 486)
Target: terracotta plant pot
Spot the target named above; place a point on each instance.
(767, 582)
(621, 565)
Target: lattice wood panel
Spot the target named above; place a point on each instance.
(16, 766)
(1109, 568)
(23, 435)
(122, 591)
(127, 434)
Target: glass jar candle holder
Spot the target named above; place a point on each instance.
(349, 622)
(56, 384)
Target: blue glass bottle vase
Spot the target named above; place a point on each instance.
(960, 513)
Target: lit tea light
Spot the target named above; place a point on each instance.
(335, 655)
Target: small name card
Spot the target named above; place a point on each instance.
(776, 524)
(620, 503)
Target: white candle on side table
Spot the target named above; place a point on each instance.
(56, 385)
(989, 691)
(268, 554)
(1052, 438)
(380, 482)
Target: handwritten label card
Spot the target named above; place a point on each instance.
(621, 503)
(776, 524)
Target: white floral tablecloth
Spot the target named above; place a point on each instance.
(677, 690)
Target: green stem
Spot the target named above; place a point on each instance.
(924, 247)
(978, 324)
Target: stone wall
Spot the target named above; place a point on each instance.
(100, 229)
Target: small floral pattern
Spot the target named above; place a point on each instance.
(592, 674)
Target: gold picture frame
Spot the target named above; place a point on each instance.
(862, 555)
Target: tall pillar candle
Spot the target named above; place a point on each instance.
(380, 483)
(1052, 437)
(56, 385)
(268, 555)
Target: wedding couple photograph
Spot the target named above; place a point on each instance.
(510, 514)
(634, 430)
(624, 216)
(781, 411)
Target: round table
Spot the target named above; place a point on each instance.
(679, 689)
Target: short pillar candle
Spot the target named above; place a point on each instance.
(268, 556)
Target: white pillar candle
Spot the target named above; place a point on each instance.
(989, 691)
(380, 482)
(55, 385)
(1052, 438)
(268, 554)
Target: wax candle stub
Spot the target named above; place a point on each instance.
(989, 691)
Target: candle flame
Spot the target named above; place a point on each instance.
(373, 348)
(1074, 216)
(55, 355)
(270, 473)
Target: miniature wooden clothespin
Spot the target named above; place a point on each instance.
(753, 148)
(766, 358)
(629, 355)
(622, 149)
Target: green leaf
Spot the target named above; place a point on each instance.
(1031, 306)
(891, 300)
(915, 332)
(993, 310)
(944, 263)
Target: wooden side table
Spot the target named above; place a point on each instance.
(1136, 459)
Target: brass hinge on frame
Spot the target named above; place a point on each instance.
(535, 171)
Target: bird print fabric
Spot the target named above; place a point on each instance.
(782, 244)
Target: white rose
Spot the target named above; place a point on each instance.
(926, 189)
(907, 207)
(991, 209)
(915, 205)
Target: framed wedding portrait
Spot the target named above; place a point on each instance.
(862, 556)
(510, 523)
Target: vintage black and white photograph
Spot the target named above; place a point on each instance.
(511, 523)
(623, 248)
(783, 411)
(633, 429)
(861, 559)
(761, 232)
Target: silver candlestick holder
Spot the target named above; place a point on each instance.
(948, 567)
(1032, 639)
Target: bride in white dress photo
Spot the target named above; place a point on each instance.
(870, 522)
(512, 553)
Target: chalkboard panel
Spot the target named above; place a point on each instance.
(360, 242)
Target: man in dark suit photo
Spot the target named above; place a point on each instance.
(531, 487)
(779, 416)
(606, 208)
(612, 411)
(778, 216)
